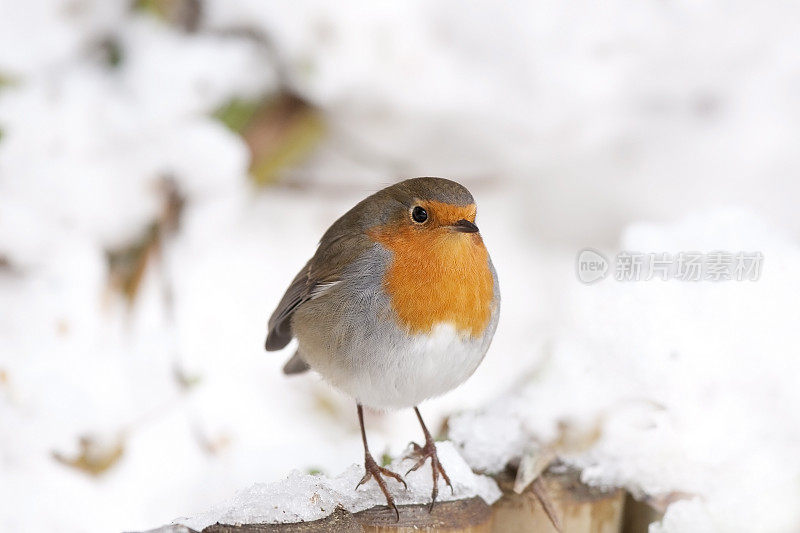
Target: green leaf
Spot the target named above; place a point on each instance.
(237, 113)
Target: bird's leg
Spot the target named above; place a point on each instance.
(422, 453)
(374, 471)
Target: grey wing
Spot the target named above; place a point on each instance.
(302, 289)
(295, 365)
(320, 274)
(280, 323)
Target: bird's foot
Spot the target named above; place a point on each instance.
(373, 471)
(421, 454)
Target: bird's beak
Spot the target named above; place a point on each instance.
(464, 226)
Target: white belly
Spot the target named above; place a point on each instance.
(402, 371)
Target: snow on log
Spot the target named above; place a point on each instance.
(305, 503)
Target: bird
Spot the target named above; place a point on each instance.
(399, 304)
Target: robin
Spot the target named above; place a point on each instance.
(399, 304)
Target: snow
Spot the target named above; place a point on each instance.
(574, 124)
(303, 497)
(687, 517)
(681, 377)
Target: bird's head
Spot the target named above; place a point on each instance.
(424, 208)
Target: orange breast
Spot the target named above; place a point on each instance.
(438, 276)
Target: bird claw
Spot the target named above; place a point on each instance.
(418, 464)
(422, 454)
(416, 449)
(374, 471)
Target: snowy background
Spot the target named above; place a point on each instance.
(166, 166)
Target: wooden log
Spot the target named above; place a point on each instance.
(580, 509)
(460, 516)
(639, 515)
(340, 521)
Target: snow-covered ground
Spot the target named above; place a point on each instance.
(304, 497)
(619, 126)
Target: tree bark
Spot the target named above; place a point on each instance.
(577, 507)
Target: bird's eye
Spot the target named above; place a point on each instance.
(419, 214)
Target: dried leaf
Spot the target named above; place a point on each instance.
(571, 439)
(96, 455)
(184, 380)
(109, 51)
(185, 14)
(532, 465)
(127, 264)
(173, 203)
(279, 132)
(540, 491)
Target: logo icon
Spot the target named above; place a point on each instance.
(591, 265)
